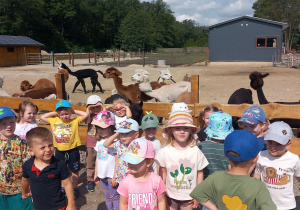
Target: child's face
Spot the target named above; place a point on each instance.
(29, 114)
(127, 138)
(206, 118)
(42, 150)
(120, 110)
(181, 134)
(275, 149)
(256, 129)
(103, 132)
(7, 127)
(139, 169)
(95, 109)
(65, 114)
(150, 133)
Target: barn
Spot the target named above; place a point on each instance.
(246, 38)
(14, 49)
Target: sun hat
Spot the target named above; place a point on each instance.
(63, 103)
(128, 125)
(219, 125)
(253, 115)
(280, 132)
(242, 142)
(6, 112)
(149, 121)
(180, 107)
(93, 99)
(138, 150)
(180, 118)
(100, 121)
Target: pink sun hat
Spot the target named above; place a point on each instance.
(104, 119)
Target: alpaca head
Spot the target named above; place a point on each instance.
(165, 74)
(257, 79)
(25, 85)
(62, 66)
(111, 72)
(140, 76)
(1, 80)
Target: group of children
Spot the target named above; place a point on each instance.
(39, 168)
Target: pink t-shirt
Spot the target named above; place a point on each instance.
(90, 135)
(142, 195)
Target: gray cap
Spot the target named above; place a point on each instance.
(280, 132)
(149, 121)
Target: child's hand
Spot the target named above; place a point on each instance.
(96, 180)
(71, 207)
(113, 182)
(195, 204)
(72, 111)
(27, 195)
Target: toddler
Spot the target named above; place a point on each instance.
(203, 121)
(121, 110)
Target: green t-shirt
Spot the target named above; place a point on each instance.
(233, 192)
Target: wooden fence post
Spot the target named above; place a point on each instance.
(102, 56)
(60, 86)
(72, 59)
(89, 57)
(118, 58)
(206, 56)
(95, 59)
(143, 58)
(195, 93)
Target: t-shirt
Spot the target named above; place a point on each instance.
(157, 146)
(182, 168)
(122, 166)
(142, 195)
(214, 153)
(65, 134)
(230, 191)
(202, 135)
(118, 120)
(90, 134)
(13, 154)
(277, 173)
(105, 160)
(22, 129)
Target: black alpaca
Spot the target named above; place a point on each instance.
(82, 74)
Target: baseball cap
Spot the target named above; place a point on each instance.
(138, 150)
(242, 142)
(93, 99)
(63, 103)
(280, 132)
(100, 120)
(6, 112)
(149, 121)
(219, 125)
(253, 115)
(180, 107)
(128, 125)
(180, 118)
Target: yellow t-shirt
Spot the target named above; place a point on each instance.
(65, 134)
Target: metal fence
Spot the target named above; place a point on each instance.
(291, 59)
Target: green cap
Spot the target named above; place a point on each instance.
(149, 121)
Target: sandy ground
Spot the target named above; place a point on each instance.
(217, 82)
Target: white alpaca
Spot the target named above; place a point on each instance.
(2, 92)
(142, 77)
(165, 74)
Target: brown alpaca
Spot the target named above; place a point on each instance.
(185, 97)
(40, 84)
(36, 94)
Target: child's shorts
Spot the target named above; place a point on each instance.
(177, 203)
(70, 157)
(15, 202)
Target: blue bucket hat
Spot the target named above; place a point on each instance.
(128, 125)
(219, 125)
(253, 115)
(6, 112)
(244, 143)
(63, 103)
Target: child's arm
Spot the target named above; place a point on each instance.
(128, 112)
(122, 203)
(96, 179)
(45, 117)
(109, 107)
(67, 183)
(195, 203)
(161, 201)
(257, 176)
(113, 181)
(109, 141)
(163, 174)
(88, 119)
(83, 114)
(25, 183)
(209, 205)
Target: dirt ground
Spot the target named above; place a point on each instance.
(217, 82)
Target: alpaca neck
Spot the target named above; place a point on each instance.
(145, 87)
(71, 72)
(261, 96)
(119, 84)
(160, 80)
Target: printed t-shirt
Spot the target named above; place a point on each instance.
(142, 195)
(65, 134)
(277, 173)
(105, 160)
(118, 120)
(13, 154)
(122, 166)
(90, 134)
(230, 191)
(182, 168)
(21, 130)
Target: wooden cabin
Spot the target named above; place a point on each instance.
(14, 50)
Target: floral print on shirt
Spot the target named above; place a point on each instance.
(122, 167)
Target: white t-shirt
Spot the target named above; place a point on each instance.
(118, 120)
(182, 168)
(157, 146)
(21, 130)
(105, 160)
(277, 173)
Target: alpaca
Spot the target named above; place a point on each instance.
(38, 94)
(241, 96)
(40, 84)
(185, 97)
(2, 92)
(143, 77)
(164, 75)
(82, 74)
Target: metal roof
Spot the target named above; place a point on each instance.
(284, 25)
(6, 40)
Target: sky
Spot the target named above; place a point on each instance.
(209, 12)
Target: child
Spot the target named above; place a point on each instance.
(235, 189)
(121, 110)
(93, 107)
(127, 132)
(105, 162)
(141, 189)
(181, 162)
(44, 174)
(26, 117)
(276, 166)
(66, 137)
(149, 126)
(13, 153)
(219, 126)
(203, 121)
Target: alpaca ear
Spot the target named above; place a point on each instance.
(141, 104)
